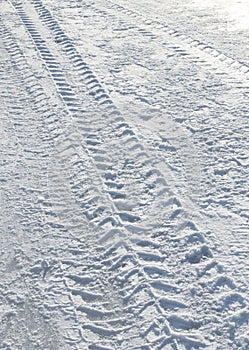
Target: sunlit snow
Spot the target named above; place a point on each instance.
(124, 175)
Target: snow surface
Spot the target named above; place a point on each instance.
(124, 174)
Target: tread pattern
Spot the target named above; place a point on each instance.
(117, 286)
(185, 45)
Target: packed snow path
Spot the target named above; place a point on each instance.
(124, 176)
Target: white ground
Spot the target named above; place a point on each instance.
(124, 174)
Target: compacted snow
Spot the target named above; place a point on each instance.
(124, 174)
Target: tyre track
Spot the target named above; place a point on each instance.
(204, 251)
(97, 329)
(219, 168)
(224, 187)
(25, 323)
(190, 48)
(123, 131)
(116, 262)
(55, 222)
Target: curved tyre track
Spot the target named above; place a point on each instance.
(123, 292)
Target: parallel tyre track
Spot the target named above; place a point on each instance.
(55, 222)
(189, 47)
(209, 132)
(226, 163)
(26, 323)
(124, 260)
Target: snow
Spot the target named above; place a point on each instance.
(124, 174)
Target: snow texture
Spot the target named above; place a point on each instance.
(124, 175)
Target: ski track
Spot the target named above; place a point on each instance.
(104, 254)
